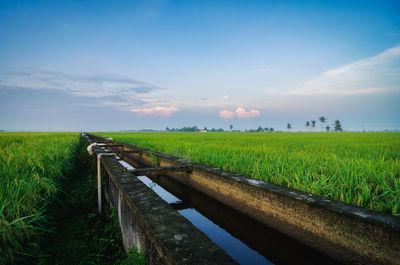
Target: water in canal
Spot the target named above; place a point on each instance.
(245, 239)
(239, 251)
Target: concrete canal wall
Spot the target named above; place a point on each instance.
(149, 223)
(348, 233)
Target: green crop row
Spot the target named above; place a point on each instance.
(356, 168)
(30, 166)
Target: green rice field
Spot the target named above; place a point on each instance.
(30, 166)
(356, 168)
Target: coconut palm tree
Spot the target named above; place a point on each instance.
(289, 127)
(322, 119)
(337, 126)
(313, 122)
(328, 128)
(308, 124)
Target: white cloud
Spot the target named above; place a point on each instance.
(373, 75)
(226, 114)
(240, 112)
(156, 111)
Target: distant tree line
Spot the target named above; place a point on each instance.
(193, 129)
(205, 129)
(261, 129)
(310, 125)
(183, 129)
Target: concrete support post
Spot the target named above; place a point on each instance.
(99, 183)
(99, 156)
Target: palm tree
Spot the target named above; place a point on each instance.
(328, 128)
(231, 126)
(313, 122)
(338, 126)
(308, 124)
(322, 119)
(289, 126)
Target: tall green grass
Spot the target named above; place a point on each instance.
(30, 166)
(356, 168)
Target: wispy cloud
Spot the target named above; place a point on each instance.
(90, 85)
(111, 90)
(263, 69)
(373, 75)
(156, 111)
(240, 112)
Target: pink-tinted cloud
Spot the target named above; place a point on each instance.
(157, 111)
(226, 114)
(241, 113)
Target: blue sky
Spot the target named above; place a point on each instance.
(111, 65)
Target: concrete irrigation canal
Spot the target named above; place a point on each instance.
(183, 212)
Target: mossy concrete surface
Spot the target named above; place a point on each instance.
(149, 223)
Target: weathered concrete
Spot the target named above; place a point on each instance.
(349, 233)
(149, 223)
(161, 170)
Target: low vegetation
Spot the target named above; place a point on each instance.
(30, 167)
(356, 168)
(48, 204)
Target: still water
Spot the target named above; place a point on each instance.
(235, 248)
(245, 239)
